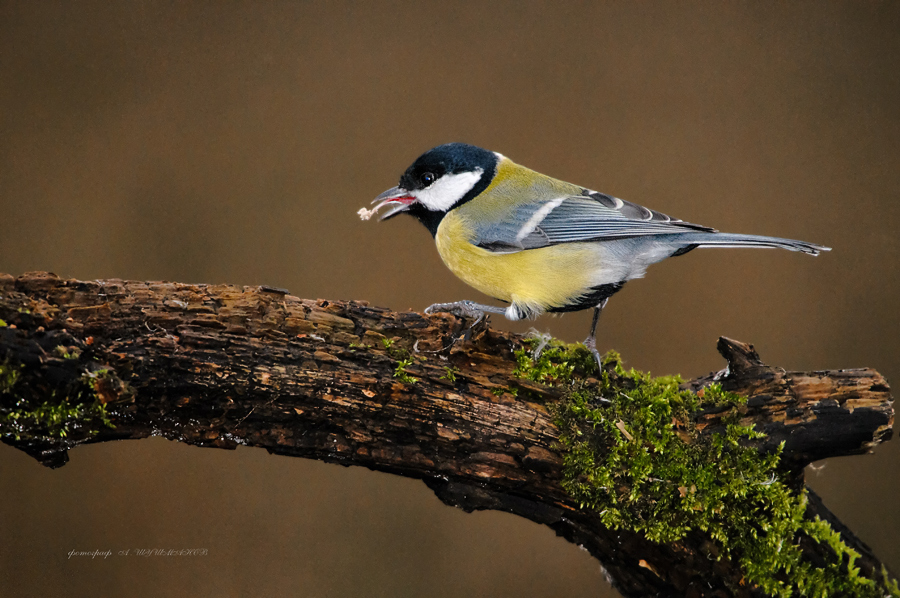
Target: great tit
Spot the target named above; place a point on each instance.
(537, 243)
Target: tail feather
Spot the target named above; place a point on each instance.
(690, 241)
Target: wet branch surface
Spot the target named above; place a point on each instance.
(344, 382)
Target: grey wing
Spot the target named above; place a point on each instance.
(589, 217)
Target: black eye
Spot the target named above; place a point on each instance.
(427, 178)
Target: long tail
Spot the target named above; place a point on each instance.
(702, 239)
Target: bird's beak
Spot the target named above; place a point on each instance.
(398, 198)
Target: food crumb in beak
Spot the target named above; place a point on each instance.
(365, 214)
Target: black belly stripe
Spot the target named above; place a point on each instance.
(592, 298)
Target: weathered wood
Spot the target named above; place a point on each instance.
(218, 365)
(817, 414)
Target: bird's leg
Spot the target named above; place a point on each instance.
(591, 341)
(465, 309)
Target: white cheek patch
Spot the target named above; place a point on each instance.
(448, 190)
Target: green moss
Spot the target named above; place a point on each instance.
(631, 454)
(450, 373)
(67, 352)
(53, 419)
(556, 363)
(400, 372)
(404, 360)
(9, 375)
(890, 585)
(26, 414)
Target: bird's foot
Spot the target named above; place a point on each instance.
(465, 309)
(591, 343)
(543, 339)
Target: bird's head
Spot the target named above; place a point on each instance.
(438, 181)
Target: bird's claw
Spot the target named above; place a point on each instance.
(591, 344)
(463, 309)
(543, 339)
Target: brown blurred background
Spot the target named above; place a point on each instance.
(233, 142)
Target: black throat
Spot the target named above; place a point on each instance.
(430, 219)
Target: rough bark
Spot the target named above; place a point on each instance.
(219, 365)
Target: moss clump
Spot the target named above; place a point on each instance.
(632, 455)
(400, 372)
(555, 363)
(51, 420)
(29, 414)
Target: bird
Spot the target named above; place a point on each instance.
(537, 243)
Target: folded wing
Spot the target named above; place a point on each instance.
(589, 217)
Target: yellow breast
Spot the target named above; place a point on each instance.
(537, 279)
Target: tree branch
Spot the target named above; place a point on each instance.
(218, 365)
